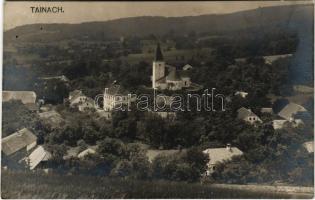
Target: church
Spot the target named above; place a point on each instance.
(167, 77)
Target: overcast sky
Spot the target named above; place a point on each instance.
(19, 13)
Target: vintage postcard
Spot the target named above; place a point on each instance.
(178, 99)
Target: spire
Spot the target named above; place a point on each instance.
(158, 53)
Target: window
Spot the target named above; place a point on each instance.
(250, 119)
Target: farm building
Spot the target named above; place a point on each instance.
(38, 158)
(16, 146)
(26, 97)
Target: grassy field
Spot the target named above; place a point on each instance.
(26, 185)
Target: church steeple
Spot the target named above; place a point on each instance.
(158, 53)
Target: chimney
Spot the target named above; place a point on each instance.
(228, 147)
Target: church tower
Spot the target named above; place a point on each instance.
(158, 66)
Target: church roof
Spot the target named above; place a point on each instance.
(173, 76)
(158, 53)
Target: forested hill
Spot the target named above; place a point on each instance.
(258, 20)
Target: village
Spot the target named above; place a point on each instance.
(21, 149)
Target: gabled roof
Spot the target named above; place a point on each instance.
(243, 113)
(89, 150)
(37, 156)
(187, 67)
(17, 141)
(26, 97)
(173, 76)
(222, 154)
(74, 94)
(289, 110)
(158, 53)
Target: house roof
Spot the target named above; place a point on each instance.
(17, 141)
(158, 53)
(309, 146)
(25, 96)
(89, 150)
(37, 156)
(290, 109)
(187, 67)
(244, 113)
(173, 76)
(221, 154)
(74, 94)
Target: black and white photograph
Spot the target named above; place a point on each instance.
(157, 100)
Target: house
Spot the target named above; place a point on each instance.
(218, 155)
(89, 151)
(38, 157)
(81, 101)
(187, 67)
(247, 115)
(309, 146)
(52, 118)
(26, 97)
(290, 111)
(166, 76)
(87, 105)
(241, 94)
(115, 95)
(17, 145)
(74, 94)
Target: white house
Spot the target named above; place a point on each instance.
(81, 101)
(247, 115)
(218, 155)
